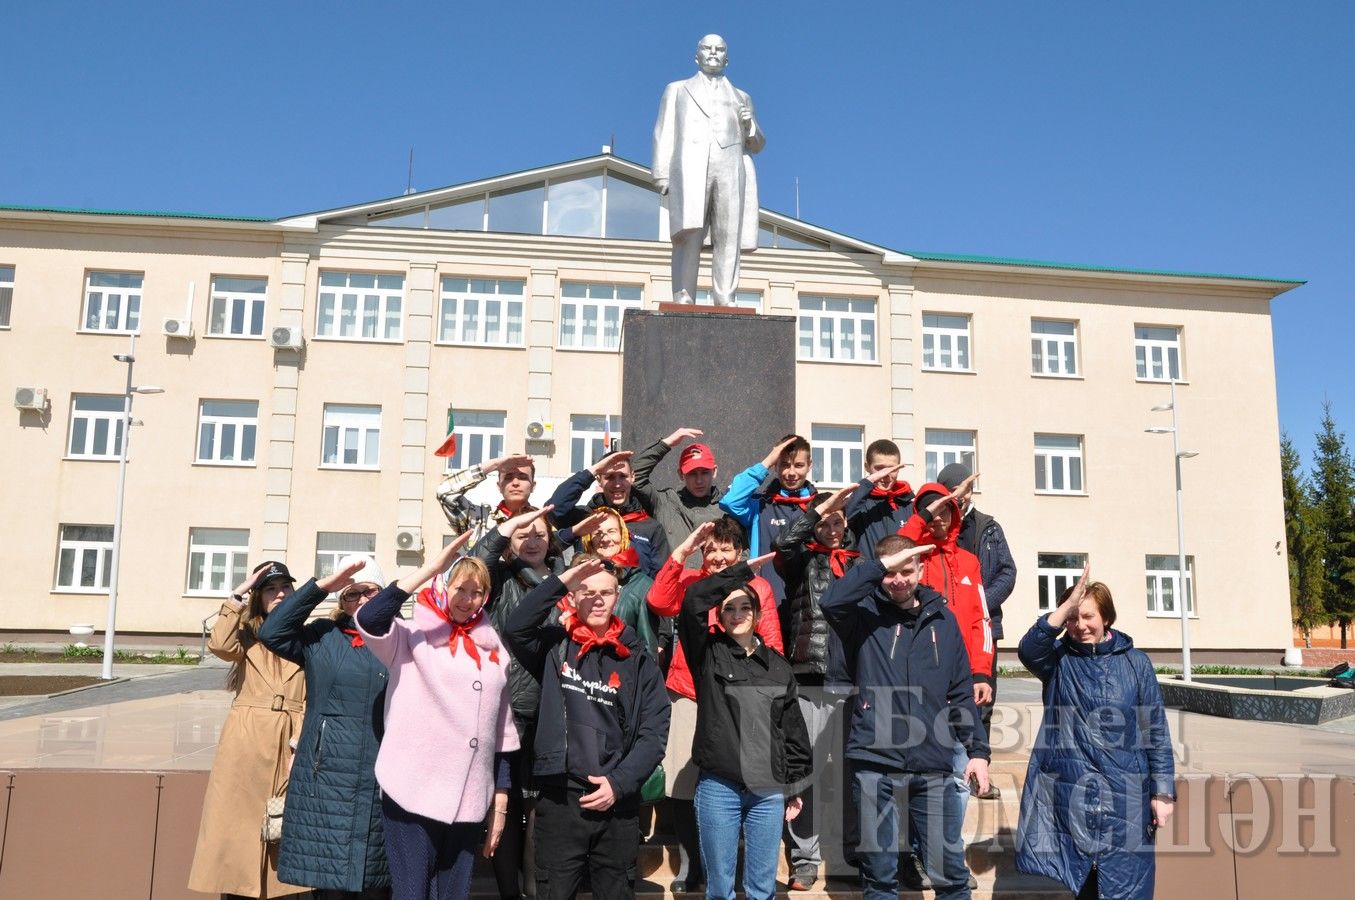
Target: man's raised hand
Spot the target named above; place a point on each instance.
(603, 465)
(775, 455)
(896, 560)
(683, 434)
(837, 502)
(575, 576)
(757, 561)
(522, 520)
(882, 474)
(506, 463)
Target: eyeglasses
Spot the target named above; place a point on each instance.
(590, 596)
(358, 593)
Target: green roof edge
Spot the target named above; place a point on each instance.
(132, 212)
(1083, 267)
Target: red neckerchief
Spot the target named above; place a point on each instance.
(626, 559)
(837, 556)
(790, 499)
(460, 630)
(357, 638)
(638, 516)
(503, 510)
(588, 639)
(900, 488)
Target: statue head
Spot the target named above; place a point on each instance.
(712, 55)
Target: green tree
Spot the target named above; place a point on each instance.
(1334, 504)
(1303, 539)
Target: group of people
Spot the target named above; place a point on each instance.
(566, 665)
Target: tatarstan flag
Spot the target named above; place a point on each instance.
(448, 447)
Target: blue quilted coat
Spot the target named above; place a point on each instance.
(332, 836)
(1103, 751)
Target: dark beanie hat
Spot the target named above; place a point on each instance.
(952, 475)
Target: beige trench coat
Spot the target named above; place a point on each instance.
(251, 765)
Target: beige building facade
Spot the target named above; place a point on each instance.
(309, 365)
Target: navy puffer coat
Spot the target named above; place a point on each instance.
(332, 836)
(1102, 753)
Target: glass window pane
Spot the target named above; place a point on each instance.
(373, 447)
(632, 210)
(468, 215)
(517, 210)
(247, 443)
(574, 207)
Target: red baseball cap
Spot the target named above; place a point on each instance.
(695, 456)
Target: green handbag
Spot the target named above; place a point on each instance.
(655, 787)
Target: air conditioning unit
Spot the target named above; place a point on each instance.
(540, 431)
(179, 328)
(286, 337)
(30, 398)
(409, 539)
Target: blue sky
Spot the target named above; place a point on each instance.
(1202, 136)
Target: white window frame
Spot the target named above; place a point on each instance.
(742, 299)
(1052, 581)
(452, 304)
(1156, 579)
(128, 316)
(362, 420)
(1058, 460)
(937, 454)
(113, 428)
(848, 323)
(574, 308)
(341, 544)
(6, 296)
(830, 452)
(216, 554)
(1158, 352)
(941, 340)
(219, 423)
(491, 437)
(331, 321)
(585, 443)
(1047, 364)
(252, 305)
(79, 549)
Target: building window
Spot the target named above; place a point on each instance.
(945, 343)
(479, 438)
(837, 329)
(237, 307)
(589, 438)
(1058, 464)
(1163, 577)
(481, 311)
(942, 447)
(742, 299)
(1056, 573)
(6, 294)
(836, 454)
(352, 436)
(96, 426)
(113, 301)
(1157, 353)
(590, 314)
(1053, 347)
(332, 546)
(360, 306)
(83, 558)
(216, 560)
(227, 431)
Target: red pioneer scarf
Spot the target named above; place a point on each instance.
(638, 516)
(626, 559)
(791, 499)
(588, 639)
(460, 633)
(837, 556)
(357, 638)
(893, 494)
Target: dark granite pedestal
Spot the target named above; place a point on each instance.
(731, 375)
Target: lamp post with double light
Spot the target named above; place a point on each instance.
(128, 359)
(1185, 599)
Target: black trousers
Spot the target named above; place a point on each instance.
(428, 858)
(570, 841)
(986, 712)
(1090, 889)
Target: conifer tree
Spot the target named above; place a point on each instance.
(1334, 503)
(1303, 541)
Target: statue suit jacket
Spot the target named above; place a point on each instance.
(690, 121)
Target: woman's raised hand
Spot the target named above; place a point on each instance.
(693, 542)
(332, 584)
(522, 520)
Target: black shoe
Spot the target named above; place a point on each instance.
(679, 886)
(911, 874)
(803, 879)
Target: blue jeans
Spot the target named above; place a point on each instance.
(723, 810)
(931, 814)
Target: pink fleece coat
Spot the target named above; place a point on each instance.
(445, 718)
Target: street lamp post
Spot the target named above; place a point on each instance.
(128, 358)
(1177, 455)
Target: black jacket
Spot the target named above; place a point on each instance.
(812, 647)
(871, 518)
(915, 694)
(510, 581)
(544, 648)
(749, 729)
(646, 534)
(982, 536)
